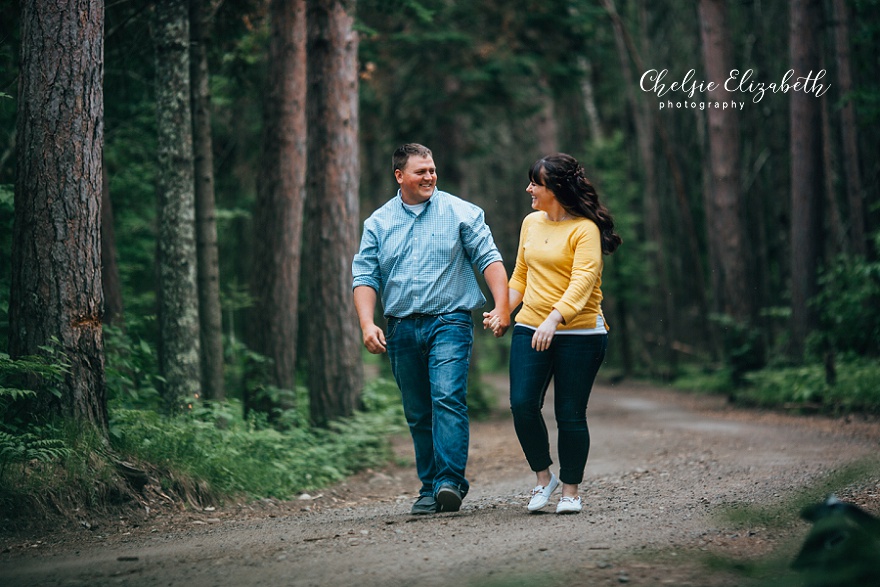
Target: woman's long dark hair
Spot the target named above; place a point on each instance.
(565, 177)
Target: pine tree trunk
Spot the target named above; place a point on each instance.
(280, 198)
(723, 203)
(210, 316)
(664, 329)
(56, 298)
(178, 299)
(806, 166)
(849, 129)
(334, 346)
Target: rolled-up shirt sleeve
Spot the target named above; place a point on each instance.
(476, 236)
(365, 265)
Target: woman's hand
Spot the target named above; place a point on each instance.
(546, 331)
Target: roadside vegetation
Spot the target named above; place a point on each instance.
(208, 454)
(841, 367)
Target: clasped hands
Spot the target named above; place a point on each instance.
(497, 321)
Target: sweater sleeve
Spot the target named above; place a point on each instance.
(585, 272)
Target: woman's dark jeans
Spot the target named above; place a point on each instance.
(572, 361)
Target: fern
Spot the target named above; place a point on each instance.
(15, 394)
(26, 447)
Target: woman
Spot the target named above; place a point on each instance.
(560, 332)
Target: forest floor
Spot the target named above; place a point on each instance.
(668, 474)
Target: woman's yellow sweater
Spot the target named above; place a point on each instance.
(559, 265)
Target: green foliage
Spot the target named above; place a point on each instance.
(214, 444)
(24, 378)
(741, 344)
(21, 380)
(131, 369)
(701, 378)
(849, 307)
(855, 389)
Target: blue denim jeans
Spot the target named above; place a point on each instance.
(429, 357)
(572, 361)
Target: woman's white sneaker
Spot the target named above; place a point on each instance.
(569, 505)
(541, 494)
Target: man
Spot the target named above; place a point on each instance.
(418, 251)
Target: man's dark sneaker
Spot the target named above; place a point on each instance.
(425, 504)
(448, 498)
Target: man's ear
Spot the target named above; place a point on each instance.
(398, 175)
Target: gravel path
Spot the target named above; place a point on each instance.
(665, 472)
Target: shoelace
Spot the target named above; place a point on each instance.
(571, 499)
(537, 490)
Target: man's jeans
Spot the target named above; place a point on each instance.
(429, 358)
(572, 361)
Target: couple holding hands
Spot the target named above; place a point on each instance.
(418, 252)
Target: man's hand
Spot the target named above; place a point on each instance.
(374, 339)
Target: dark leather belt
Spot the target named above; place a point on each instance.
(415, 316)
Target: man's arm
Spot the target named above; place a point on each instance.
(365, 306)
(499, 317)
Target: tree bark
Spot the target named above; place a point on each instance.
(179, 348)
(208, 276)
(724, 206)
(806, 166)
(663, 305)
(597, 134)
(56, 298)
(849, 129)
(334, 346)
(280, 200)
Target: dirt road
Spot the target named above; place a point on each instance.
(664, 470)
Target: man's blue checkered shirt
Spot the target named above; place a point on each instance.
(423, 264)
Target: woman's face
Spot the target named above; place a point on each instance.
(542, 198)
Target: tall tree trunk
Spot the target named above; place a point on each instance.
(112, 284)
(178, 298)
(806, 166)
(544, 123)
(56, 295)
(663, 305)
(849, 129)
(333, 348)
(724, 205)
(210, 313)
(836, 239)
(597, 134)
(280, 196)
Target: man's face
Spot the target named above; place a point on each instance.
(417, 180)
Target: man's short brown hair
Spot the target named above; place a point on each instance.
(404, 152)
